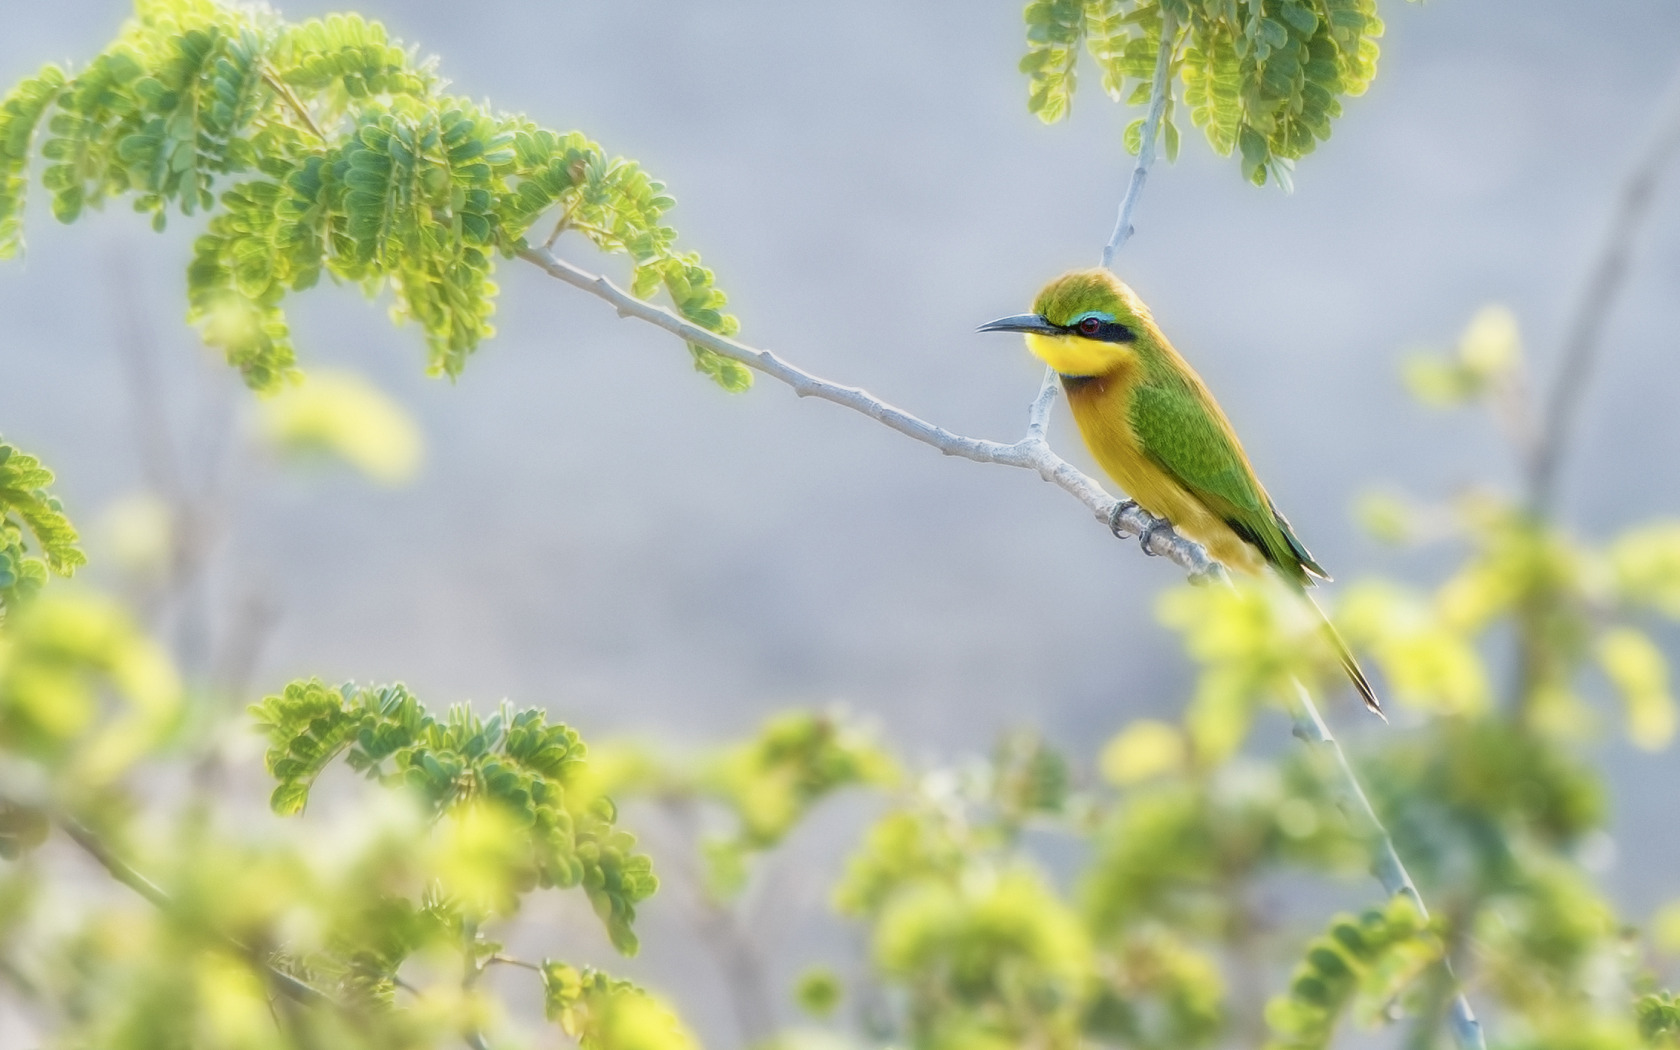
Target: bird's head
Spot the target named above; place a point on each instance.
(1084, 323)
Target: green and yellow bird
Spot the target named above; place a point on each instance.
(1155, 429)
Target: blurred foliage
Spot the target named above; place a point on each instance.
(1262, 78)
(1014, 900)
(326, 147)
(1367, 960)
(507, 785)
(765, 785)
(353, 933)
(340, 414)
(603, 1013)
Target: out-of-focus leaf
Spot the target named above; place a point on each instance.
(1430, 664)
(1385, 517)
(1372, 958)
(1646, 567)
(1665, 927)
(1144, 749)
(62, 658)
(1639, 671)
(342, 415)
(604, 1013)
(137, 532)
(819, 991)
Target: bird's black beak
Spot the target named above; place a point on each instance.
(1034, 323)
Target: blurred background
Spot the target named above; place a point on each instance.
(598, 530)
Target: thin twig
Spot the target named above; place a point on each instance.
(738, 954)
(281, 88)
(1598, 296)
(508, 960)
(1555, 424)
(156, 445)
(560, 224)
(125, 873)
(1159, 93)
(1031, 452)
(471, 971)
(1385, 861)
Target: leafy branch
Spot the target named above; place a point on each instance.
(341, 156)
(285, 983)
(29, 512)
(526, 770)
(1159, 95)
(1385, 859)
(1262, 78)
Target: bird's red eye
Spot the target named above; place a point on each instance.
(1090, 326)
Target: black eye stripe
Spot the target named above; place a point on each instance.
(1105, 331)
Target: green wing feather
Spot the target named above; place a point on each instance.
(1181, 428)
(1184, 432)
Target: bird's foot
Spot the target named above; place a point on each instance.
(1155, 525)
(1114, 516)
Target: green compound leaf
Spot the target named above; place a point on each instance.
(1373, 958)
(1054, 31)
(1262, 79)
(526, 770)
(36, 538)
(345, 57)
(605, 1013)
(797, 759)
(1658, 1017)
(20, 114)
(326, 147)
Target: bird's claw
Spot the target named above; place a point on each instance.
(1148, 533)
(1114, 516)
(1155, 524)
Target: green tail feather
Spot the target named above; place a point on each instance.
(1354, 672)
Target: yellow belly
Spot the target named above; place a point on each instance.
(1099, 408)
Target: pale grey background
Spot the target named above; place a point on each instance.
(599, 530)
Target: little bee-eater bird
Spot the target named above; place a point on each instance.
(1152, 425)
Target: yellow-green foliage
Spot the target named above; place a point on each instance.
(992, 960)
(1171, 851)
(819, 991)
(1367, 960)
(1658, 1016)
(378, 911)
(35, 536)
(603, 1013)
(1263, 78)
(795, 760)
(902, 849)
(327, 148)
(505, 784)
(1252, 640)
(767, 784)
(988, 952)
(83, 693)
(340, 414)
